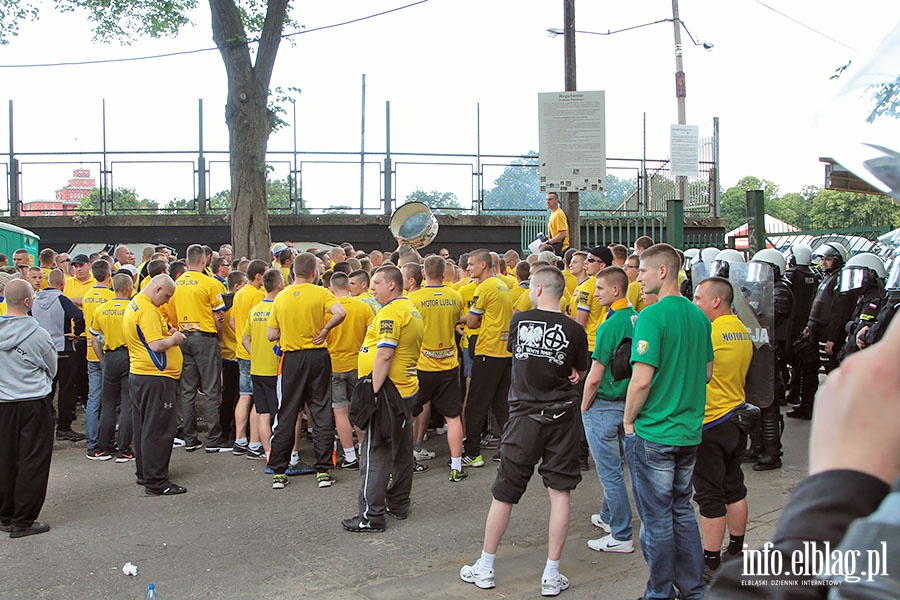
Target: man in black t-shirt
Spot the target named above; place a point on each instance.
(550, 356)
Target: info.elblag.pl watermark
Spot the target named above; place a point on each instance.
(814, 564)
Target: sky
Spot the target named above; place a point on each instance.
(765, 79)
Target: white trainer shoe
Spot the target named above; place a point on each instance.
(423, 454)
(483, 578)
(596, 521)
(610, 544)
(552, 587)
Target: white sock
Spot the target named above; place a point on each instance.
(256, 445)
(487, 560)
(551, 571)
(456, 463)
(350, 454)
(295, 457)
(241, 442)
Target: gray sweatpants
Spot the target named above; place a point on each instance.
(202, 369)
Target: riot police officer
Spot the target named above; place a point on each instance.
(804, 282)
(765, 441)
(687, 286)
(862, 278)
(829, 314)
(869, 335)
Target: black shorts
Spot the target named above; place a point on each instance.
(525, 442)
(265, 394)
(441, 388)
(718, 479)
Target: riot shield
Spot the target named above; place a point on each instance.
(754, 304)
(699, 272)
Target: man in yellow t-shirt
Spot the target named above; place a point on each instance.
(632, 269)
(490, 314)
(230, 370)
(154, 365)
(590, 313)
(74, 289)
(298, 323)
(244, 411)
(344, 343)
(263, 363)
(558, 225)
(438, 366)
(199, 312)
(109, 345)
(91, 301)
(47, 262)
(359, 289)
(387, 359)
(718, 480)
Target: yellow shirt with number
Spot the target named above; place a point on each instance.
(441, 309)
(299, 312)
(587, 302)
(263, 360)
(559, 222)
(244, 300)
(97, 295)
(108, 321)
(397, 325)
(197, 296)
(142, 324)
(493, 303)
(345, 340)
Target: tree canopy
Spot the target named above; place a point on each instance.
(124, 201)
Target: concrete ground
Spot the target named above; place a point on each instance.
(233, 537)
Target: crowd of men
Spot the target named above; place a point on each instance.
(611, 352)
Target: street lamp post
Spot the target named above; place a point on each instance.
(570, 200)
(675, 210)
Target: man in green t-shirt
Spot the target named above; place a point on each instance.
(602, 410)
(672, 360)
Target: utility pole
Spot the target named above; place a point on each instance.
(570, 200)
(675, 211)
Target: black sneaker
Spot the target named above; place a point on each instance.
(400, 516)
(173, 490)
(216, 447)
(256, 454)
(98, 455)
(350, 465)
(33, 529)
(125, 456)
(357, 525)
(489, 440)
(193, 447)
(68, 435)
(419, 467)
(239, 449)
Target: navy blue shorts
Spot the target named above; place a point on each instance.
(265, 394)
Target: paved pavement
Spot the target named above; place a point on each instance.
(233, 537)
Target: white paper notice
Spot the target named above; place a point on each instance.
(684, 150)
(572, 141)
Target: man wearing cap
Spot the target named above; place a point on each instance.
(284, 260)
(558, 225)
(75, 290)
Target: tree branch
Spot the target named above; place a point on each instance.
(270, 40)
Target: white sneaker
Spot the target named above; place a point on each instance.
(483, 578)
(610, 544)
(423, 454)
(177, 443)
(552, 587)
(596, 521)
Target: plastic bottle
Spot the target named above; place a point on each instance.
(151, 592)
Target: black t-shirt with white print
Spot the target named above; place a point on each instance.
(545, 347)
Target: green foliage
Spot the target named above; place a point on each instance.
(126, 20)
(439, 202)
(517, 188)
(12, 13)
(124, 202)
(278, 199)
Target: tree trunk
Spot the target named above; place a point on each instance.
(249, 120)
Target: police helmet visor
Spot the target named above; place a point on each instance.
(893, 282)
(852, 279)
(720, 268)
(760, 272)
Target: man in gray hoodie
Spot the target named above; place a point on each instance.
(64, 321)
(28, 362)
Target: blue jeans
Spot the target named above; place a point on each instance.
(605, 437)
(670, 539)
(92, 410)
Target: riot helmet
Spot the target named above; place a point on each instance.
(861, 272)
(772, 257)
(720, 265)
(799, 255)
(831, 250)
(689, 255)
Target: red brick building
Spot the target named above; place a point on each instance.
(67, 199)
